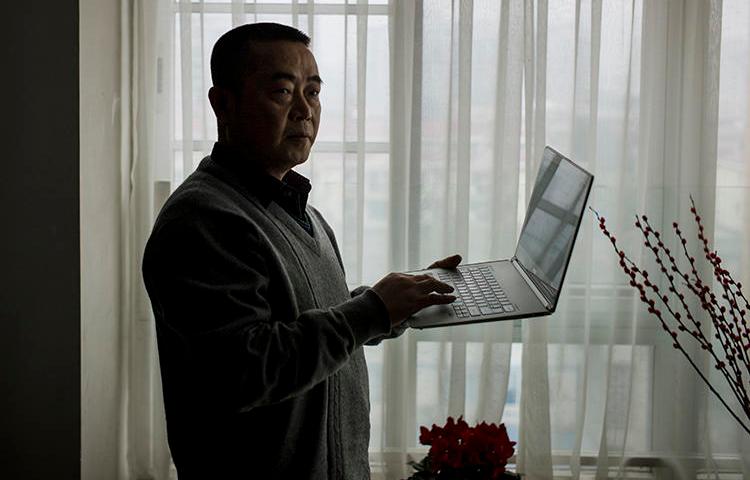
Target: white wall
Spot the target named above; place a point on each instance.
(100, 246)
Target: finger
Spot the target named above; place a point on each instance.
(434, 285)
(438, 299)
(447, 262)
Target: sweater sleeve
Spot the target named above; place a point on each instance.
(394, 332)
(220, 343)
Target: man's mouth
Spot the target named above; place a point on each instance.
(298, 135)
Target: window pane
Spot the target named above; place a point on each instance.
(329, 49)
(378, 80)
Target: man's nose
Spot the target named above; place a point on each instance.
(301, 109)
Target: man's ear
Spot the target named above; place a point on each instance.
(223, 103)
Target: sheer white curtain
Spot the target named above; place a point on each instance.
(435, 114)
(146, 137)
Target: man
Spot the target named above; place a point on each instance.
(260, 341)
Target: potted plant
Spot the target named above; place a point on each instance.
(460, 452)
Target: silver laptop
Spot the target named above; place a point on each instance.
(527, 285)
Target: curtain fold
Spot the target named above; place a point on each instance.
(145, 138)
(535, 439)
(435, 114)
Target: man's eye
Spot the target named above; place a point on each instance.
(314, 93)
(283, 91)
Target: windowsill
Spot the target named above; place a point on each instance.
(643, 466)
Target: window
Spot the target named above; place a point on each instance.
(622, 390)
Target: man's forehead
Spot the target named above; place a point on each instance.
(283, 56)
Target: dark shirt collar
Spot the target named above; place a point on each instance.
(290, 193)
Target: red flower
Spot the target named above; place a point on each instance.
(456, 447)
(425, 436)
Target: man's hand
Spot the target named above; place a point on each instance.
(405, 295)
(447, 262)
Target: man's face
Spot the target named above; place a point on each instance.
(277, 111)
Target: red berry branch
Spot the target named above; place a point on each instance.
(727, 307)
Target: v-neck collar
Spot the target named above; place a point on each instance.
(291, 193)
(312, 241)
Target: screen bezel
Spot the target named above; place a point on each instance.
(545, 287)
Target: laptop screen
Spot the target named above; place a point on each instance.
(552, 221)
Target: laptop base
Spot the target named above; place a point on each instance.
(524, 302)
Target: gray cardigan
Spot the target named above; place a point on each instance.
(260, 342)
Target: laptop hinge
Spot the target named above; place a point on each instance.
(531, 284)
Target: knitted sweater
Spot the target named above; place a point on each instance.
(260, 342)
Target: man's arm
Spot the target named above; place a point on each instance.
(209, 283)
(396, 331)
(449, 262)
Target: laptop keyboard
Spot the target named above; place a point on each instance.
(477, 292)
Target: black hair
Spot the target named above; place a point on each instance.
(229, 60)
